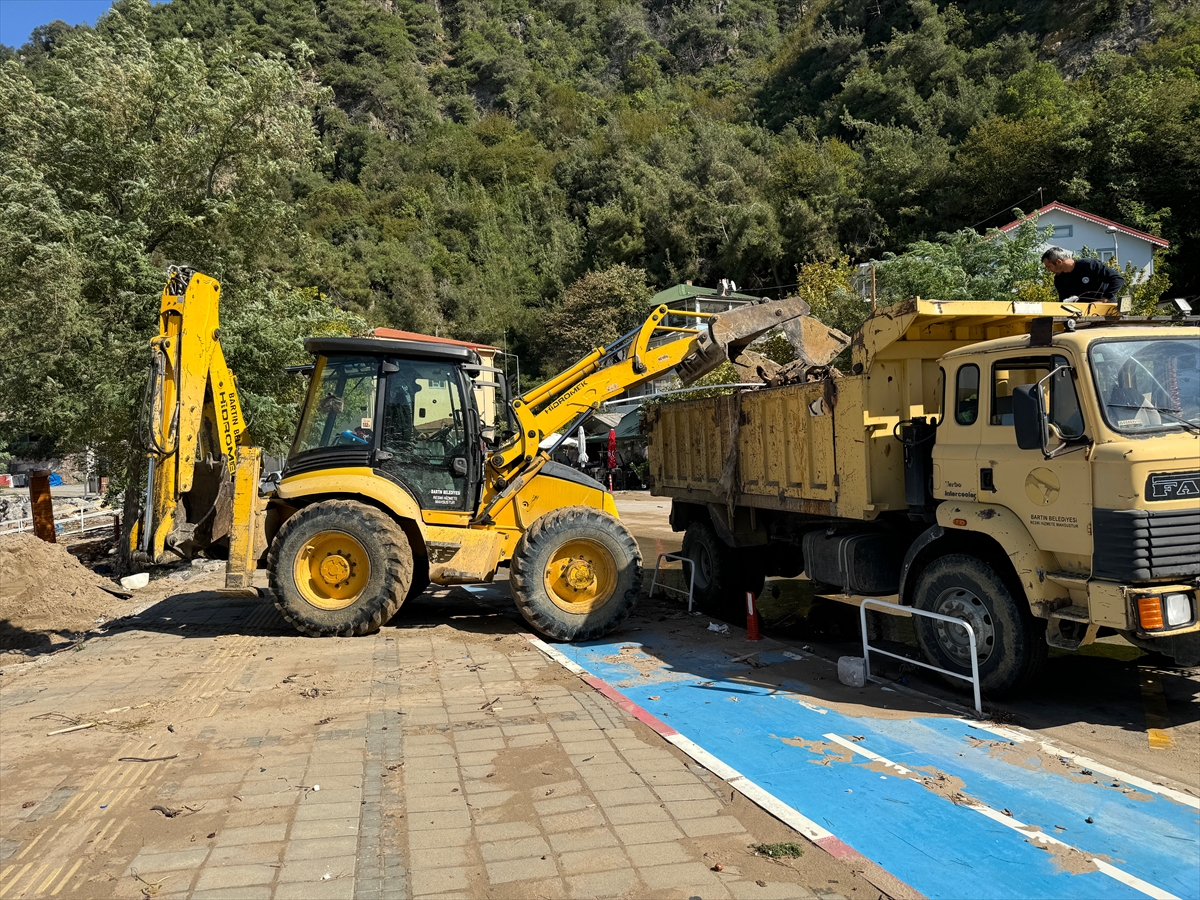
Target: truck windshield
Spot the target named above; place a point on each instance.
(340, 409)
(1150, 384)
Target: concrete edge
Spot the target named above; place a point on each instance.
(793, 818)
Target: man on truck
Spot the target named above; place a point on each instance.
(1086, 279)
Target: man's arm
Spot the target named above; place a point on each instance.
(1114, 281)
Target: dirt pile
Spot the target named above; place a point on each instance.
(45, 594)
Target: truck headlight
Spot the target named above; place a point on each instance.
(1178, 609)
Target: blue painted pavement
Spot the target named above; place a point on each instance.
(767, 724)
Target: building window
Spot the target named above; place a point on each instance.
(1064, 231)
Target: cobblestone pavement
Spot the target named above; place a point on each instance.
(442, 757)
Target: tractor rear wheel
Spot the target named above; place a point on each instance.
(576, 574)
(340, 568)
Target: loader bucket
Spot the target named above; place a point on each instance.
(730, 332)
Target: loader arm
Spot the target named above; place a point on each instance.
(194, 432)
(564, 401)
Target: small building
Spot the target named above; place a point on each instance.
(1115, 244)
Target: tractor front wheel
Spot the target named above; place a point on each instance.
(576, 574)
(340, 568)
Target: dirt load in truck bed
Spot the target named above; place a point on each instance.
(45, 595)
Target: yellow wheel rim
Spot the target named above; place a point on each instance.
(581, 576)
(331, 570)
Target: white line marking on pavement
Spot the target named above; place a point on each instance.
(1021, 828)
(1087, 763)
(558, 656)
(863, 751)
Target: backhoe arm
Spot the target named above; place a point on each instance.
(642, 355)
(193, 426)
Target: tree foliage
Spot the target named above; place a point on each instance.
(454, 166)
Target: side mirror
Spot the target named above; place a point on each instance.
(1029, 417)
(458, 466)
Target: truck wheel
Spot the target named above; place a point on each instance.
(722, 574)
(339, 568)
(1010, 643)
(576, 574)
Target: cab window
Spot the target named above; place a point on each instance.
(1063, 402)
(966, 395)
(340, 411)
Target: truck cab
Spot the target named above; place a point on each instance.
(1089, 442)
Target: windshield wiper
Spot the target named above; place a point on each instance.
(1191, 426)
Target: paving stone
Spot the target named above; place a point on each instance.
(626, 796)
(316, 870)
(313, 811)
(245, 854)
(614, 883)
(227, 877)
(436, 858)
(774, 890)
(438, 881)
(511, 849)
(257, 834)
(694, 809)
(711, 826)
(259, 892)
(436, 803)
(657, 854)
(647, 833)
(444, 818)
(333, 889)
(321, 848)
(502, 831)
(324, 828)
(170, 861)
(583, 818)
(632, 815)
(579, 862)
(552, 805)
(675, 874)
(585, 839)
(520, 869)
(678, 792)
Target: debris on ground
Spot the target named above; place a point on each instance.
(785, 850)
(46, 595)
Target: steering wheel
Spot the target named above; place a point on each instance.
(349, 439)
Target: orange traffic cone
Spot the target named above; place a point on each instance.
(751, 618)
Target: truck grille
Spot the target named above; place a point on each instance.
(1141, 545)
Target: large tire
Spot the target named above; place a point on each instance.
(340, 568)
(1010, 642)
(420, 578)
(576, 574)
(723, 574)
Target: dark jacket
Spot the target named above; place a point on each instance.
(1089, 280)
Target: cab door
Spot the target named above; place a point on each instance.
(426, 442)
(1053, 497)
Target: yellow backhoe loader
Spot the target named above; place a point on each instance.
(401, 475)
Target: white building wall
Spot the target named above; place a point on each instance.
(1072, 233)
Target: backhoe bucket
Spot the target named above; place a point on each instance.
(730, 332)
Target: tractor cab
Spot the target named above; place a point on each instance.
(417, 413)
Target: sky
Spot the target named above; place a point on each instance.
(18, 18)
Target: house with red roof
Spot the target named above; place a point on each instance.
(1116, 244)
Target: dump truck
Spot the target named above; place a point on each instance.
(411, 465)
(1030, 468)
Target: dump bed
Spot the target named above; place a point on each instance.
(826, 448)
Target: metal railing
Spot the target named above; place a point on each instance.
(61, 524)
(666, 587)
(910, 610)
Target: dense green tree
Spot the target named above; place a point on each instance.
(118, 156)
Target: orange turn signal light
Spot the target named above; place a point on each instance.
(1150, 613)
(960, 522)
